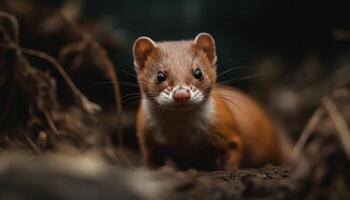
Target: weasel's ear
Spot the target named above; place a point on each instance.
(142, 48)
(206, 42)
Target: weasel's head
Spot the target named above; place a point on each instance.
(176, 75)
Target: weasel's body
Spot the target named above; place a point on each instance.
(184, 116)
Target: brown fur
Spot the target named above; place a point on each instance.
(240, 133)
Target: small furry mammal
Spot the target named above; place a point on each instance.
(186, 117)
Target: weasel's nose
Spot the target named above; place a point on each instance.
(182, 95)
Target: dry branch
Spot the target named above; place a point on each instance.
(81, 99)
(307, 132)
(339, 123)
(38, 90)
(91, 45)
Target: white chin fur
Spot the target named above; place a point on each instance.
(165, 98)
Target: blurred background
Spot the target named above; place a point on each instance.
(288, 54)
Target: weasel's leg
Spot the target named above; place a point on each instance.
(234, 152)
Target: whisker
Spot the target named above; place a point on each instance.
(127, 72)
(235, 80)
(101, 83)
(232, 69)
(237, 100)
(132, 103)
(128, 83)
(231, 96)
(235, 96)
(111, 83)
(130, 98)
(131, 94)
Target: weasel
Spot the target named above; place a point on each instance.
(185, 116)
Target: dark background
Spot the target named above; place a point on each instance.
(245, 30)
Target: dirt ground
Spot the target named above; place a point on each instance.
(269, 182)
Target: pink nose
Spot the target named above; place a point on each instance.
(182, 95)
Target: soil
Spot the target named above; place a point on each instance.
(270, 182)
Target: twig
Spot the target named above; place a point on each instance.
(84, 102)
(87, 105)
(78, 95)
(32, 144)
(97, 49)
(339, 123)
(14, 23)
(307, 132)
(70, 48)
(26, 63)
(13, 44)
(50, 121)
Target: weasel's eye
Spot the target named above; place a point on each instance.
(161, 77)
(198, 74)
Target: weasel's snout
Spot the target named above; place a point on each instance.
(182, 95)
